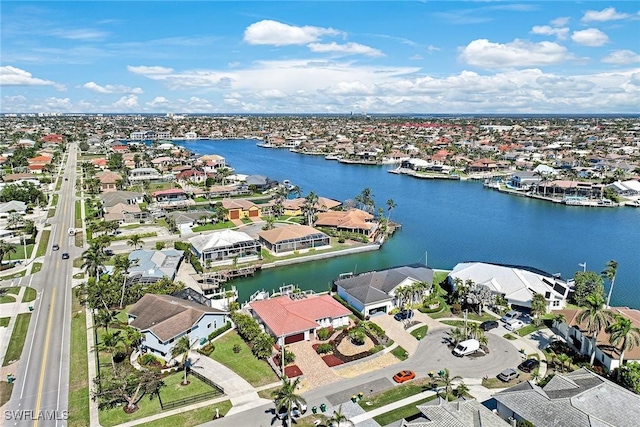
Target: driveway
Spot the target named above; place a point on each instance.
(395, 330)
(315, 372)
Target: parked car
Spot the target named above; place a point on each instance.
(508, 375)
(513, 314)
(404, 314)
(529, 365)
(488, 325)
(65, 255)
(466, 347)
(514, 325)
(55, 247)
(404, 376)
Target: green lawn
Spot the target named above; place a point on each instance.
(402, 412)
(526, 330)
(52, 213)
(17, 338)
(30, 294)
(218, 226)
(257, 372)
(78, 375)
(400, 353)
(54, 200)
(5, 392)
(6, 299)
(36, 267)
(78, 214)
(4, 322)
(193, 417)
(171, 392)
(13, 276)
(44, 243)
(377, 400)
(420, 332)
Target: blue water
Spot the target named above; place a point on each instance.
(447, 222)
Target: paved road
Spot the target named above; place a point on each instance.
(40, 394)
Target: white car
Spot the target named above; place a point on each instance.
(514, 325)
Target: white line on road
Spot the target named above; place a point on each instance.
(32, 338)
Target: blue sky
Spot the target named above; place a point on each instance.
(320, 57)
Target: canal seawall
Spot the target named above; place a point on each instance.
(326, 255)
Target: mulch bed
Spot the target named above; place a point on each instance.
(292, 371)
(331, 360)
(345, 335)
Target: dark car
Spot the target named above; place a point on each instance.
(488, 325)
(65, 255)
(55, 247)
(404, 314)
(529, 365)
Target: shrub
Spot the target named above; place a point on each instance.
(218, 332)
(236, 348)
(375, 329)
(160, 246)
(324, 333)
(147, 359)
(456, 309)
(357, 336)
(324, 348)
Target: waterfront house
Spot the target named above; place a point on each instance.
(607, 354)
(525, 180)
(260, 182)
(151, 266)
(630, 187)
(352, 220)
(225, 246)
(577, 399)
(164, 319)
(375, 291)
(290, 238)
(297, 317)
(293, 207)
(516, 284)
(482, 165)
(240, 208)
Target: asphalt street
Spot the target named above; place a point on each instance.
(40, 393)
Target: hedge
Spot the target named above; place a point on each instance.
(219, 332)
(353, 310)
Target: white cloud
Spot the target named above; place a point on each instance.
(416, 57)
(608, 14)
(560, 22)
(271, 94)
(590, 37)
(126, 103)
(353, 88)
(546, 30)
(158, 101)
(148, 70)
(518, 53)
(621, 57)
(92, 86)
(12, 76)
(432, 48)
(79, 34)
(278, 34)
(347, 49)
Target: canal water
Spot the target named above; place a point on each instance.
(444, 223)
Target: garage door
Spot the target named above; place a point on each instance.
(294, 338)
(234, 214)
(253, 214)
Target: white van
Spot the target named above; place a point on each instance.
(466, 347)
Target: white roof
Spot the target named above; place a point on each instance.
(516, 284)
(631, 184)
(218, 239)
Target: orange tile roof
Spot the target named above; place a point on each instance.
(286, 316)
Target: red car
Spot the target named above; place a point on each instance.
(403, 376)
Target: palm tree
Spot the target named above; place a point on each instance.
(6, 248)
(93, 260)
(132, 337)
(286, 397)
(104, 318)
(624, 336)
(462, 389)
(609, 273)
(562, 359)
(338, 419)
(538, 308)
(182, 347)
(595, 318)
(309, 207)
(557, 320)
(135, 240)
(391, 205)
(124, 264)
(447, 380)
(109, 344)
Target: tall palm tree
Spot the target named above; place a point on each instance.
(132, 337)
(124, 264)
(104, 318)
(558, 319)
(6, 248)
(338, 419)
(309, 207)
(109, 344)
(286, 397)
(181, 348)
(93, 260)
(609, 273)
(595, 318)
(447, 380)
(391, 205)
(624, 336)
(135, 240)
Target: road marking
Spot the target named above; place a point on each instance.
(64, 328)
(44, 358)
(33, 336)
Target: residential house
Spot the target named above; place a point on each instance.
(374, 291)
(225, 246)
(516, 284)
(189, 218)
(191, 176)
(151, 266)
(260, 182)
(164, 319)
(525, 180)
(99, 163)
(211, 162)
(287, 239)
(627, 188)
(482, 165)
(459, 413)
(297, 317)
(126, 214)
(607, 354)
(13, 206)
(293, 207)
(112, 198)
(172, 196)
(162, 163)
(578, 399)
(240, 208)
(108, 180)
(19, 178)
(144, 174)
(352, 220)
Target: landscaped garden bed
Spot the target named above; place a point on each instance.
(292, 371)
(331, 360)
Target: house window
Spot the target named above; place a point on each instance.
(215, 324)
(209, 326)
(556, 303)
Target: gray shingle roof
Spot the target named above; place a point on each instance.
(462, 413)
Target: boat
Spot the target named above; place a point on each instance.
(574, 201)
